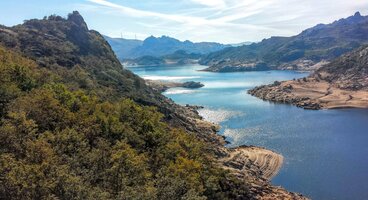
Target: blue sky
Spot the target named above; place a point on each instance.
(225, 21)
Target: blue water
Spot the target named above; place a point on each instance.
(326, 151)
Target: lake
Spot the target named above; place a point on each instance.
(325, 152)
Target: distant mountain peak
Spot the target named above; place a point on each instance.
(357, 17)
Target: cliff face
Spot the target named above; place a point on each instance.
(306, 51)
(342, 83)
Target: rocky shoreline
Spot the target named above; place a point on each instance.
(311, 94)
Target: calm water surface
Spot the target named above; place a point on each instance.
(326, 152)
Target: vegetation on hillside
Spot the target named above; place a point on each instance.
(71, 126)
(63, 144)
(83, 59)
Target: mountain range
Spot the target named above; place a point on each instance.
(306, 51)
(159, 46)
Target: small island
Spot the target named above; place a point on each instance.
(162, 86)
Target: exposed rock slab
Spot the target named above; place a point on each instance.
(258, 165)
(265, 163)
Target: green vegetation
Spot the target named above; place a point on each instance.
(61, 144)
(71, 126)
(82, 59)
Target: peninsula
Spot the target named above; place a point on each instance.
(341, 84)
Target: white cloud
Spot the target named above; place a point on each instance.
(211, 3)
(228, 21)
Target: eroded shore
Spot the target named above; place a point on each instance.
(310, 93)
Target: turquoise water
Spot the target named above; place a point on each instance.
(326, 152)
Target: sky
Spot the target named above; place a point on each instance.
(224, 21)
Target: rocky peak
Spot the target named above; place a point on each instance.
(77, 19)
(356, 18)
(357, 14)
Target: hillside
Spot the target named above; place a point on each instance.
(56, 143)
(307, 51)
(339, 84)
(161, 46)
(85, 60)
(74, 124)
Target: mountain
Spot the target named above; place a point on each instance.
(160, 46)
(339, 84)
(123, 47)
(178, 57)
(306, 51)
(74, 124)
